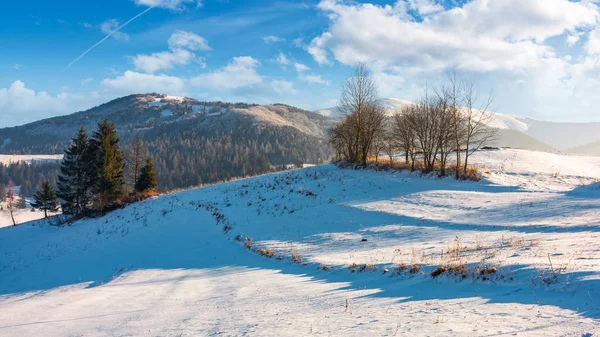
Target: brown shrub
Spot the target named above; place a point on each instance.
(248, 243)
(266, 252)
(415, 268)
(439, 271)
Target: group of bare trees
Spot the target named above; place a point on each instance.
(442, 125)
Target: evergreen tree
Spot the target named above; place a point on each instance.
(108, 163)
(45, 199)
(75, 178)
(147, 179)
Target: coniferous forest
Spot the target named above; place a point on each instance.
(184, 157)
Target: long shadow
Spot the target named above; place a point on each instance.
(172, 243)
(183, 246)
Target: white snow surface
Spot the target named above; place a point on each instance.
(10, 158)
(163, 267)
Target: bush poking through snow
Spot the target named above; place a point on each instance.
(415, 269)
(296, 258)
(266, 252)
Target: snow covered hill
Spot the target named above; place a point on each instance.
(142, 113)
(324, 251)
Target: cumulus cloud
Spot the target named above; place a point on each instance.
(425, 7)
(240, 72)
(482, 35)
(283, 87)
(188, 40)
(180, 44)
(110, 26)
(20, 105)
(164, 60)
(593, 44)
(133, 82)
(509, 45)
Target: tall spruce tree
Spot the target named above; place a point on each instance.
(45, 199)
(109, 164)
(75, 178)
(147, 179)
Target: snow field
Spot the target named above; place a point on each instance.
(166, 267)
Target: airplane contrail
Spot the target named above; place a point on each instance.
(106, 37)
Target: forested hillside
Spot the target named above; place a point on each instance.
(192, 142)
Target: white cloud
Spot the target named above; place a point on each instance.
(282, 59)
(272, 39)
(20, 105)
(505, 45)
(109, 26)
(283, 87)
(132, 82)
(318, 48)
(573, 38)
(180, 44)
(240, 72)
(16, 66)
(312, 78)
(482, 35)
(176, 5)
(301, 67)
(163, 60)
(593, 44)
(187, 40)
(425, 7)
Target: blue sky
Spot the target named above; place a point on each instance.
(539, 57)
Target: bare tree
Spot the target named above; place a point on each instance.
(364, 116)
(453, 95)
(426, 126)
(403, 128)
(390, 144)
(136, 155)
(10, 198)
(477, 121)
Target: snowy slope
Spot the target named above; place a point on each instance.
(164, 267)
(9, 158)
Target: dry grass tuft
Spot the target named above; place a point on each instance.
(415, 269)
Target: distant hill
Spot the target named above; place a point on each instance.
(591, 149)
(193, 142)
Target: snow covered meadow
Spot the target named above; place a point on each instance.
(324, 251)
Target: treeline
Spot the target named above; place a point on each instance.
(92, 174)
(29, 176)
(443, 123)
(191, 154)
